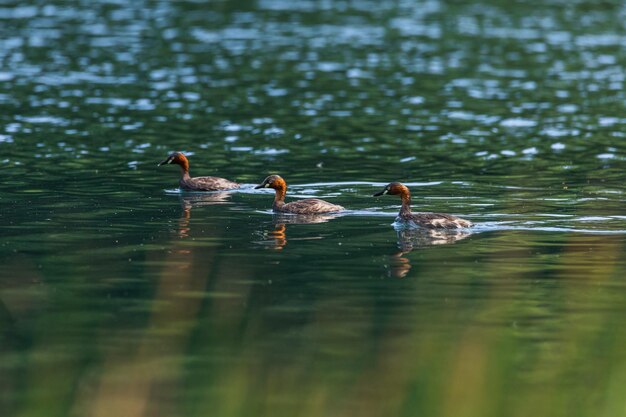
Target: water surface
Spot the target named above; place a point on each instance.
(119, 295)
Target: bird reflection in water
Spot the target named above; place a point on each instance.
(188, 201)
(410, 239)
(277, 238)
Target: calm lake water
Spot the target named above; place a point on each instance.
(121, 296)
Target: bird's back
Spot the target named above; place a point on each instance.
(310, 206)
(208, 184)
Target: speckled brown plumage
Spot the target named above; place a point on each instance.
(306, 206)
(197, 183)
(425, 220)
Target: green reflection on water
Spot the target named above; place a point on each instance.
(119, 298)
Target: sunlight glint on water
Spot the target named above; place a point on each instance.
(121, 295)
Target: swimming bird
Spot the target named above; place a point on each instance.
(426, 220)
(198, 183)
(306, 206)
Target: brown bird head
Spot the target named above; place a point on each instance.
(177, 158)
(394, 188)
(273, 181)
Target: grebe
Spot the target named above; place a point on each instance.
(426, 220)
(306, 206)
(197, 183)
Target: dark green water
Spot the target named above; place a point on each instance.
(121, 297)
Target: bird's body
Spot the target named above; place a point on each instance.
(306, 206)
(206, 184)
(424, 220)
(189, 183)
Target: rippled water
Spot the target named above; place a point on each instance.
(120, 295)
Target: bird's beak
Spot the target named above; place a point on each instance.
(383, 192)
(264, 184)
(166, 161)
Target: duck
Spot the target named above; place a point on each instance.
(424, 220)
(306, 206)
(197, 183)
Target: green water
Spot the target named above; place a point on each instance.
(120, 296)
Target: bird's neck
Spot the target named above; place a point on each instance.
(279, 198)
(406, 203)
(184, 171)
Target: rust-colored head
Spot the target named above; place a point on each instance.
(273, 181)
(395, 188)
(176, 158)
